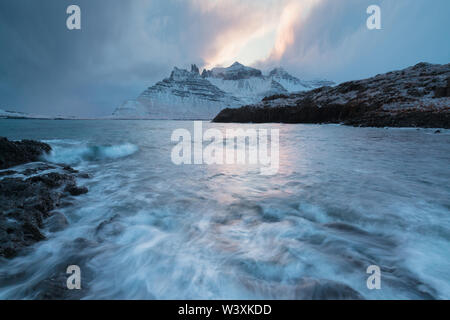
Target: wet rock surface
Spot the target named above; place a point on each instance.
(13, 153)
(29, 195)
(414, 97)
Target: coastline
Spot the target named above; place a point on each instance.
(273, 122)
(354, 188)
(417, 96)
(31, 191)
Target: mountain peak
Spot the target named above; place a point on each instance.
(182, 74)
(279, 71)
(280, 74)
(187, 95)
(194, 69)
(236, 71)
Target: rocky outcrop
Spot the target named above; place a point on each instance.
(13, 153)
(414, 97)
(236, 71)
(293, 84)
(30, 194)
(194, 69)
(441, 92)
(184, 95)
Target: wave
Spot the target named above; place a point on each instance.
(75, 154)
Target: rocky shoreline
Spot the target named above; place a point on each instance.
(418, 96)
(31, 191)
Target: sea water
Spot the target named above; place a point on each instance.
(343, 199)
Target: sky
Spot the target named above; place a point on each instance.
(124, 47)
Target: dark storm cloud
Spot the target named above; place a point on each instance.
(47, 69)
(334, 42)
(123, 47)
(126, 45)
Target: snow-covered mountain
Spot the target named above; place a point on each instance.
(5, 114)
(418, 96)
(236, 71)
(184, 95)
(244, 83)
(293, 84)
(12, 114)
(191, 95)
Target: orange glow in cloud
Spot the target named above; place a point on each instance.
(286, 31)
(256, 22)
(294, 14)
(247, 20)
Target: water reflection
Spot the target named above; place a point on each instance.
(343, 199)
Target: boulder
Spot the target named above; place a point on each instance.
(418, 96)
(28, 204)
(13, 153)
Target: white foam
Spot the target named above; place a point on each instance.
(76, 154)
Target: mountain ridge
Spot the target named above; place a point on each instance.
(418, 96)
(194, 95)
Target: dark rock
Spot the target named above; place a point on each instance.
(346, 228)
(53, 179)
(415, 92)
(109, 228)
(37, 169)
(7, 173)
(304, 113)
(275, 97)
(437, 131)
(396, 99)
(56, 222)
(194, 69)
(236, 71)
(26, 205)
(104, 223)
(206, 73)
(65, 204)
(421, 65)
(23, 207)
(441, 92)
(75, 191)
(83, 175)
(351, 86)
(55, 286)
(29, 172)
(70, 169)
(13, 153)
(32, 232)
(448, 87)
(18, 230)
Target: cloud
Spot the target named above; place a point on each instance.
(332, 40)
(125, 46)
(234, 25)
(292, 18)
